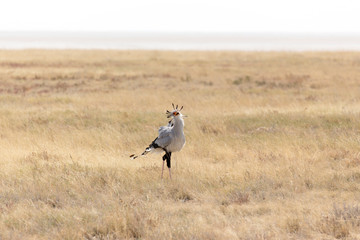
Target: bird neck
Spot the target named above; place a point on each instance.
(178, 124)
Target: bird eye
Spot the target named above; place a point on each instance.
(176, 113)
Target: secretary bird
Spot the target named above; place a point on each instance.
(171, 138)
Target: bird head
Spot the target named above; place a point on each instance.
(175, 113)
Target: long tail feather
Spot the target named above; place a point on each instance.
(147, 150)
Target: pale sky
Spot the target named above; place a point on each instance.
(301, 16)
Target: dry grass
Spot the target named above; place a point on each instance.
(273, 145)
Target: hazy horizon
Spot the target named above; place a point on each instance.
(164, 40)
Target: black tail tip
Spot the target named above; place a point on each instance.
(132, 155)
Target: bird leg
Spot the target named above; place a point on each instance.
(162, 170)
(166, 157)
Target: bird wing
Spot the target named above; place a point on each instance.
(164, 138)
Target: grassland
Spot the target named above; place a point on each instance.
(273, 145)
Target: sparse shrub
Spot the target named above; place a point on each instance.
(353, 161)
(348, 213)
(341, 220)
(134, 225)
(293, 225)
(334, 227)
(209, 129)
(238, 81)
(241, 80)
(260, 83)
(238, 197)
(186, 78)
(41, 156)
(207, 83)
(53, 202)
(294, 80)
(309, 184)
(180, 194)
(184, 196)
(311, 98)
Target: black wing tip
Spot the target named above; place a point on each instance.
(132, 156)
